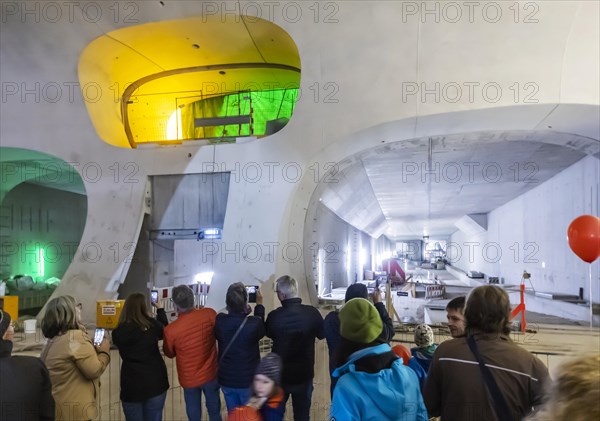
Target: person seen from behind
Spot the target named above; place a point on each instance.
(75, 364)
(144, 381)
(332, 324)
(294, 328)
(374, 384)
(25, 388)
(484, 375)
(574, 395)
(191, 340)
(423, 352)
(238, 335)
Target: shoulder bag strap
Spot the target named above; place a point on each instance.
(500, 406)
(233, 339)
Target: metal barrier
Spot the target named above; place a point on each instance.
(406, 335)
(434, 291)
(109, 403)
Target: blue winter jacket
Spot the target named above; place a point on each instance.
(388, 394)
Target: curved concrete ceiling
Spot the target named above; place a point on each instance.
(412, 188)
(26, 166)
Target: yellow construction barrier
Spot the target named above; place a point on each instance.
(108, 312)
(10, 304)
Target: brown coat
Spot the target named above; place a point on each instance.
(455, 388)
(75, 369)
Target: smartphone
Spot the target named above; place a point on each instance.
(154, 296)
(99, 336)
(251, 290)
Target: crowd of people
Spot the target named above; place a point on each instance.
(479, 374)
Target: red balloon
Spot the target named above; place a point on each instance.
(584, 237)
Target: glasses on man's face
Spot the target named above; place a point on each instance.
(79, 306)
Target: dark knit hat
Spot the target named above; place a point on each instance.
(360, 321)
(4, 322)
(270, 366)
(356, 291)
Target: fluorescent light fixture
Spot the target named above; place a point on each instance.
(348, 260)
(204, 278)
(362, 259)
(41, 268)
(210, 234)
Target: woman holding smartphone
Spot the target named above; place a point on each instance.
(144, 381)
(74, 363)
(238, 335)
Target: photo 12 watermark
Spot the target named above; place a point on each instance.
(470, 92)
(272, 171)
(53, 92)
(326, 12)
(490, 12)
(61, 12)
(51, 172)
(468, 172)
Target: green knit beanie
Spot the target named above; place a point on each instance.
(360, 321)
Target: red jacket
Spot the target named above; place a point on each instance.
(191, 338)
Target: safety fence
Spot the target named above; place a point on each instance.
(109, 403)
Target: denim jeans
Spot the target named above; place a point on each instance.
(148, 410)
(235, 397)
(301, 399)
(193, 401)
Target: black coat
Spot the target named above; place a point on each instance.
(236, 369)
(143, 372)
(293, 328)
(25, 388)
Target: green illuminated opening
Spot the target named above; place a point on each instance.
(258, 113)
(43, 209)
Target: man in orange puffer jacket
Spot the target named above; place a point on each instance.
(191, 338)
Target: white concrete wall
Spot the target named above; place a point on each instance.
(367, 51)
(342, 244)
(530, 233)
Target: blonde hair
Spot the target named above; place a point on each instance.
(60, 316)
(573, 395)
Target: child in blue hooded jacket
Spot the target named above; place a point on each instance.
(373, 384)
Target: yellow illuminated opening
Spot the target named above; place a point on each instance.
(155, 77)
